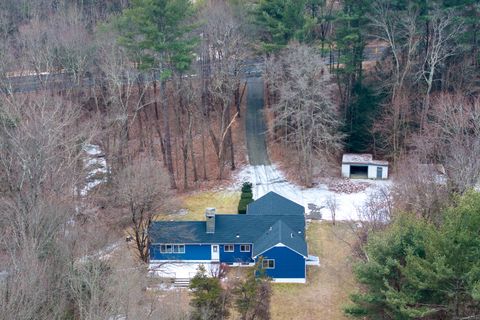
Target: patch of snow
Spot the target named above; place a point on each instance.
(95, 164)
(104, 253)
(266, 178)
(179, 269)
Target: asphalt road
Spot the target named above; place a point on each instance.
(63, 81)
(255, 127)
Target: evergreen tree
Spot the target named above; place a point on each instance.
(209, 300)
(280, 21)
(155, 33)
(252, 295)
(245, 198)
(416, 270)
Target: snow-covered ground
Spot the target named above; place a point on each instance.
(266, 178)
(181, 270)
(96, 167)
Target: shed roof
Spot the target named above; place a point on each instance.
(362, 158)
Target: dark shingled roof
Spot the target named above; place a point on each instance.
(271, 221)
(280, 233)
(227, 227)
(273, 203)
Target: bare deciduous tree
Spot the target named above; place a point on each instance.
(332, 204)
(444, 29)
(420, 188)
(306, 117)
(143, 189)
(451, 137)
(223, 49)
(399, 32)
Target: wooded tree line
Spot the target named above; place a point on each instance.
(389, 106)
(416, 106)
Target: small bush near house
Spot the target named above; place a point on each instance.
(245, 198)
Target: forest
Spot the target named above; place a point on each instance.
(111, 111)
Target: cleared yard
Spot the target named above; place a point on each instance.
(328, 286)
(194, 205)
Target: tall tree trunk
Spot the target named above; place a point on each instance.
(190, 143)
(181, 130)
(157, 122)
(229, 141)
(140, 122)
(166, 137)
(204, 158)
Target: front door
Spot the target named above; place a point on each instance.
(215, 252)
(379, 172)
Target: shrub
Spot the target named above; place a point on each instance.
(245, 198)
(246, 195)
(247, 187)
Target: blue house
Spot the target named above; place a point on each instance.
(273, 228)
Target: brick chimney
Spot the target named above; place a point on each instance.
(210, 217)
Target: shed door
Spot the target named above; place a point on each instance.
(215, 253)
(379, 172)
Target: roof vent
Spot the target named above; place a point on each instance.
(291, 235)
(210, 217)
(238, 236)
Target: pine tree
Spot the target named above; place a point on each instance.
(155, 33)
(209, 300)
(417, 270)
(252, 295)
(280, 21)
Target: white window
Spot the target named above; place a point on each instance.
(179, 248)
(228, 248)
(172, 248)
(244, 248)
(268, 264)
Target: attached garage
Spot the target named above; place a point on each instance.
(362, 166)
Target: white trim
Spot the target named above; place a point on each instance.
(289, 280)
(172, 245)
(234, 264)
(215, 254)
(281, 245)
(240, 264)
(180, 261)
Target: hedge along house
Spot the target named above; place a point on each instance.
(273, 228)
(362, 166)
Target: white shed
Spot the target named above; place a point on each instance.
(362, 166)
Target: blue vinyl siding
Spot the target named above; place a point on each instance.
(288, 263)
(236, 256)
(192, 252)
